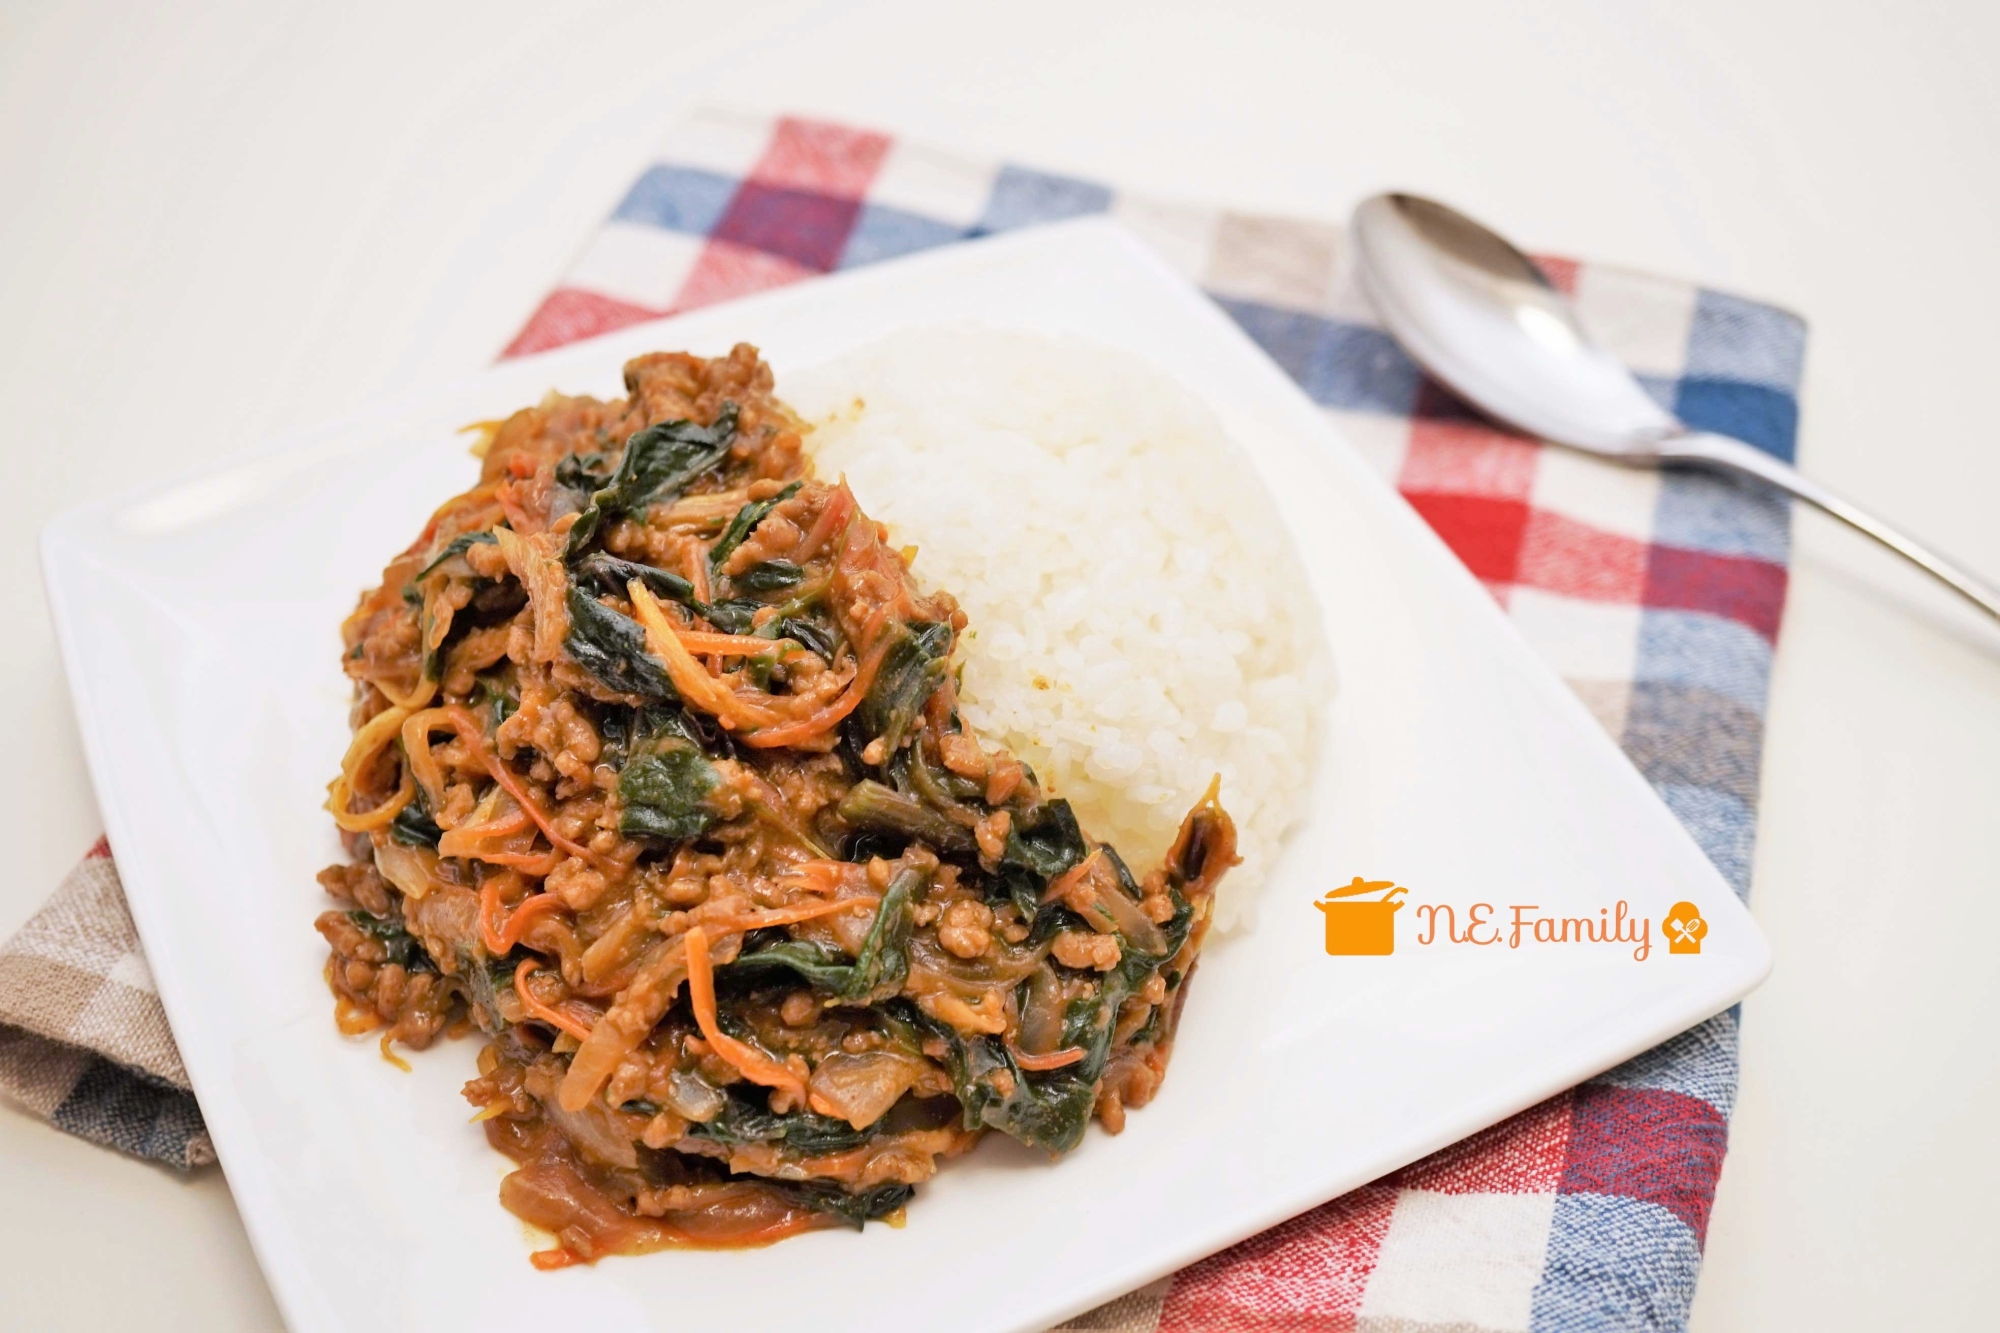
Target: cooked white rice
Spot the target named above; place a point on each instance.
(1139, 619)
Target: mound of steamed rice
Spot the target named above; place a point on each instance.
(1139, 619)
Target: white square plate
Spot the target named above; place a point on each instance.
(199, 625)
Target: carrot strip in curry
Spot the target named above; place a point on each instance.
(833, 518)
(697, 687)
(789, 916)
(750, 1062)
(543, 1012)
(826, 719)
(500, 936)
(475, 736)
(705, 644)
(1037, 1064)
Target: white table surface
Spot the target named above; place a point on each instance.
(221, 220)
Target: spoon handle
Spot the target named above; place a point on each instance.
(1719, 451)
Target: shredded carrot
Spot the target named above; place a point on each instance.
(536, 864)
(833, 518)
(689, 676)
(698, 687)
(546, 1013)
(732, 645)
(818, 876)
(752, 1063)
(526, 915)
(1036, 1064)
(787, 916)
(501, 935)
(390, 1055)
(483, 826)
(475, 737)
(489, 917)
(560, 1257)
(791, 733)
(698, 574)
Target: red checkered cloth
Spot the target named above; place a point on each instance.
(1657, 596)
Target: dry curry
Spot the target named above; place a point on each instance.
(658, 780)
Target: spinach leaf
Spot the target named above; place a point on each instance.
(913, 667)
(807, 634)
(403, 949)
(629, 731)
(884, 960)
(658, 463)
(1049, 1111)
(457, 546)
(1042, 843)
(824, 967)
(746, 521)
(870, 805)
(771, 576)
(414, 827)
(743, 1120)
(732, 617)
(496, 696)
(584, 474)
(662, 792)
(485, 981)
(880, 967)
(611, 574)
(612, 648)
(825, 1197)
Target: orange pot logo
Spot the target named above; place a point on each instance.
(1357, 927)
(1684, 928)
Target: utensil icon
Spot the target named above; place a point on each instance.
(1684, 928)
(1355, 927)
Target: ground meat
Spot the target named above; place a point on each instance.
(967, 928)
(360, 884)
(1083, 949)
(962, 755)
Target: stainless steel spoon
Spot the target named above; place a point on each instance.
(1482, 317)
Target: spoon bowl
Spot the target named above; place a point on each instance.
(1484, 320)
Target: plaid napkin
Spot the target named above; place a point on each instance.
(1657, 596)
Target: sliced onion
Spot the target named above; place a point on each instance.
(860, 1088)
(1042, 1013)
(593, 1133)
(408, 868)
(693, 1097)
(972, 978)
(1137, 928)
